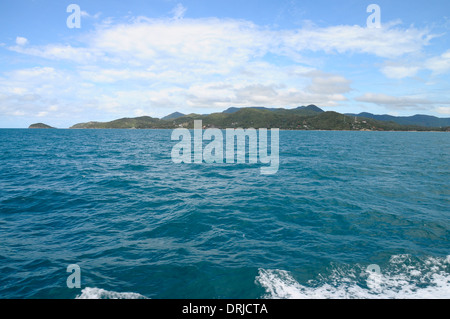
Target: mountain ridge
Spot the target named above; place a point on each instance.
(173, 116)
(417, 119)
(308, 117)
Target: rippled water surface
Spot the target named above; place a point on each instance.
(138, 225)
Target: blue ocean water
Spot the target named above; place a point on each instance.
(140, 226)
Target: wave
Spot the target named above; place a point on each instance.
(98, 293)
(403, 277)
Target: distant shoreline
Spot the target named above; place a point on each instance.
(302, 118)
(170, 129)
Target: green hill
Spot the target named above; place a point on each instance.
(40, 126)
(173, 116)
(144, 122)
(301, 110)
(302, 118)
(418, 119)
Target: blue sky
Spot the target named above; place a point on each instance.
(133, 58)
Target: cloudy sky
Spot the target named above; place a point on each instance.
(154, 57)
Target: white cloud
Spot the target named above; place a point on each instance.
(17, 113)
(99, 75)
(222, 95)
(323, 83)
(443, 110)
(42, 89)
(178, 11)
(21, 41)
(139, 112)
(439, 64)
(85, 14)
(387, 42)
(148, 66)
(399, 71)
(390, 101)
(226, 42)
(36, 72)
(61, 52)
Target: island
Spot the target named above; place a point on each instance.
(40, 126)
(308, 117)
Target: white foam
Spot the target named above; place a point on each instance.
(402, 278)
(98, 293)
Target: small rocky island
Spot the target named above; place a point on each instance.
(40, 125)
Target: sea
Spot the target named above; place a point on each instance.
(348, 215)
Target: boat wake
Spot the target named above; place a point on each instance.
(98, 293)
(402, 278)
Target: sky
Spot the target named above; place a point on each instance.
(134, 58)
